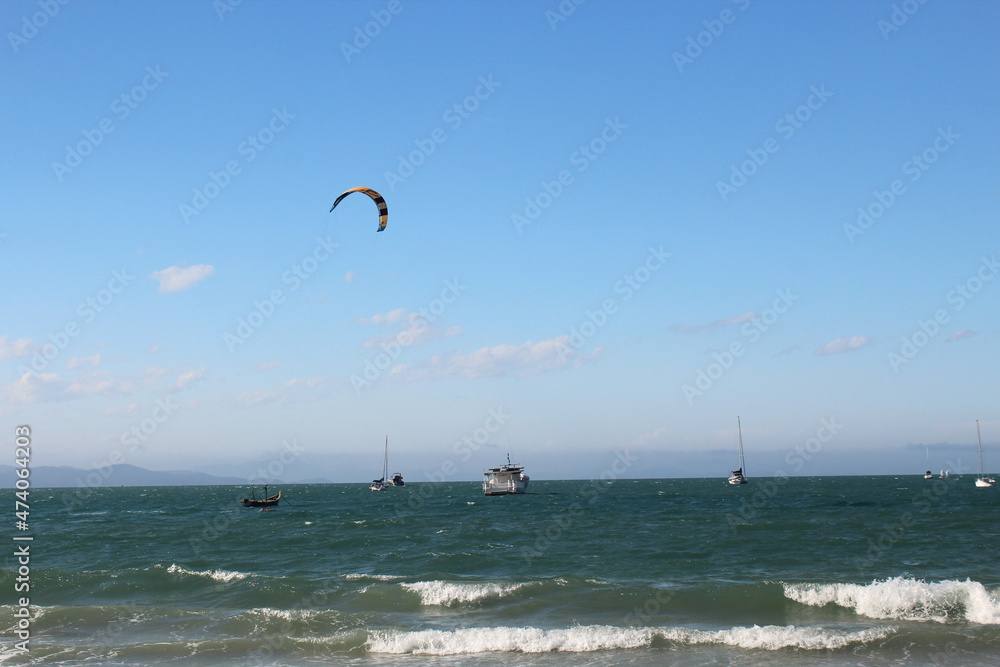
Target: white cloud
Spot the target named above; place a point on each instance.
(349, 277)
(523, 360)
(410, 328)
(32, 388)
(186, 378)
(95, 383)
(843, 345)
(266, 366)
(154, 348)
(391, 317)
(93, 360)
(293, 389)
(176, 278)
(646, 438)
(959, 335)
(21, 347)
(130, 410)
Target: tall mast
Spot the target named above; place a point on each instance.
(739, 428)
(981, 471)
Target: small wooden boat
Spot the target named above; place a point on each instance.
(267, 501)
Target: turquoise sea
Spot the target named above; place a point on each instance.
(793, 571)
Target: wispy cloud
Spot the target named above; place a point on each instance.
(130, 410)
(186, 378)
(786, 352)
(959, 335)
(646, 438)
(266, 366)
(97, 383)
(176, 278)
(524, 360)
(30, 388)
(21, 347)
(385, 320)
(843, 345)
(93, 360)
(717, 324)
(294, 389)
(349, 277)
(407, 328)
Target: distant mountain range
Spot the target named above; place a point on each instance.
(122, 474)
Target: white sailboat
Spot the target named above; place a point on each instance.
(380, 484)
(982, 482)
(929, 474)
(737, 476)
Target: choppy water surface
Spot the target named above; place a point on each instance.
(879, 570)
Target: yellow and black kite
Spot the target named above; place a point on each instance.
(383, 210)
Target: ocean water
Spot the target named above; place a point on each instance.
(799, 571)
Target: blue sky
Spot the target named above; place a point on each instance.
(616, 227)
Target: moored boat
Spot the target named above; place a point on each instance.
(505, 480)
(738, 476)
(266, 501)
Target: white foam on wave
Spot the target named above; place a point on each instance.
(374, 577)
(286, 614)
(588, 638)
(447, 594)
(218, 575)
(906, 599)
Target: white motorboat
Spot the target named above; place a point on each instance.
(505, 480)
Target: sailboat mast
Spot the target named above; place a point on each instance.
(982, 473)
(739, 428)
(385, 459)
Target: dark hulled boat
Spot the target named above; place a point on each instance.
(267, 501)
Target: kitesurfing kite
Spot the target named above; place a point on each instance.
(383, 210)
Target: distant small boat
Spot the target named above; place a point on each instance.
(737, 476)
(928, 474)
(381, 484)
(266, 501)
(982, 482)
(396, 480)
(505, 480)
